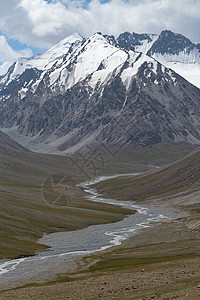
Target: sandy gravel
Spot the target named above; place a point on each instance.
(161, 282)
(175, 279)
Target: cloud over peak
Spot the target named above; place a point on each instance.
(41, 23)
(8, 55)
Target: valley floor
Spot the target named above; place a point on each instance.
(163, 262)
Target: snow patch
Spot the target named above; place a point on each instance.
(185, 64)
(111, 66)
(22, 92)
(146, 45)
(135, 61)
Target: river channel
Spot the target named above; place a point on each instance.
(65, 246)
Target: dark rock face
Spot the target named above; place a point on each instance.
(167, 42)
(18, 83)
(128, 41)
(171, 43)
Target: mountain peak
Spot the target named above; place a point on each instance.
(171, 43)
(140, 42)
(98, 36)
(134, 39)
(105, 41)
(66, 43)
(167, 33)
(70, 39)
(45, 60)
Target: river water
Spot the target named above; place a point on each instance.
(67, 245)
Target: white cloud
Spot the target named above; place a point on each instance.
(8, 55)
(41, 24)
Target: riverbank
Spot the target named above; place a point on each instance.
(65, 246)
(149, 271)
(164, 248)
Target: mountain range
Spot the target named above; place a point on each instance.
(126, 93)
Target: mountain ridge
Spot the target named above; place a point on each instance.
(94, 87)
(173, 50)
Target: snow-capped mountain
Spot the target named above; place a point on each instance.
(173, 50)
(98, 91)
(43, 61)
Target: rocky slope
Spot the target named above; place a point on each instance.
(97, 91)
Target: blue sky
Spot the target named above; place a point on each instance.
(29, 27)
(17, 46)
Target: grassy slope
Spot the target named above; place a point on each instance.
(183, 175)
(24, 213)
